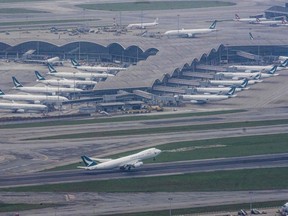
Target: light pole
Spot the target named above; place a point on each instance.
(170, 210)
(178, 23)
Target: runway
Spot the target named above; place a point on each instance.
(173, 168)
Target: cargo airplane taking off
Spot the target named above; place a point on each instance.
(95, 68)
(143, 25)
(77, 75)
(37, 99)
(43, 89)
(64, 82)
(190, 33)
(204, 98)
(123, 163)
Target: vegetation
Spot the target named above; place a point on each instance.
(171, 129)
(216, 209)
(212, 148)
(154, 5)
(22, 207)
(116, 119)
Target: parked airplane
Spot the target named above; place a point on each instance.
(237, 83)
(123, 163)
(204, 98)
(29, 57)
(216, 90)
(190, 33)
(37, 99)
(44, 89)
(95, 68)
(64, 82)
(143, 25)
(22, 107)
(237, 75)
(270, 22)
(247, 20)
(77, 75)
(257, 68)
(270, 73)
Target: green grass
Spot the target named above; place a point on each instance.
(217, 210)
(117, 119)
(236, 180)
(22, 207)
(19, 10)
(154, 5)
(206, 149)
(173, 129)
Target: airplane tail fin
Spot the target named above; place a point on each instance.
(274, 68)
(51, 68)
(257, 76)
(17, 84)
(244, 84)
(156, 21)
(39, 76)
(231, 91)
(284, 64)
(88, 161)
(1, 92)
(74, 62)
(237, 17)
(213, 25)
(251, 36)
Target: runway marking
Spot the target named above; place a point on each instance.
(194, 148)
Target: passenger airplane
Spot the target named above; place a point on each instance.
(143, 25)
(64, 82)
(95, 68)
(77, 75)
(271, 22)
(44, 89)
(190, 33)
(123, 163)
(257, 68)
(237, 83)
(270, 73)
(237, 75)
(216, 90)
(22, 107)
(247, 20)
(25, 58)
(37, 99)
(204, 98)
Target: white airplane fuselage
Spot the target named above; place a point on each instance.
(34, 98)
(21, 107)
(203, 98)
(66, 82)
(80, 75)
(48, 89)
(188, 32)
(247, 75)
(215, 90)
(98, 68)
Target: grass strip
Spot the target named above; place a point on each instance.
(210, 148)
(62, 122)
(4, 207)
(173, 129)
(216, 210)
(235, 180)
(154, 5)
(19, 10)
